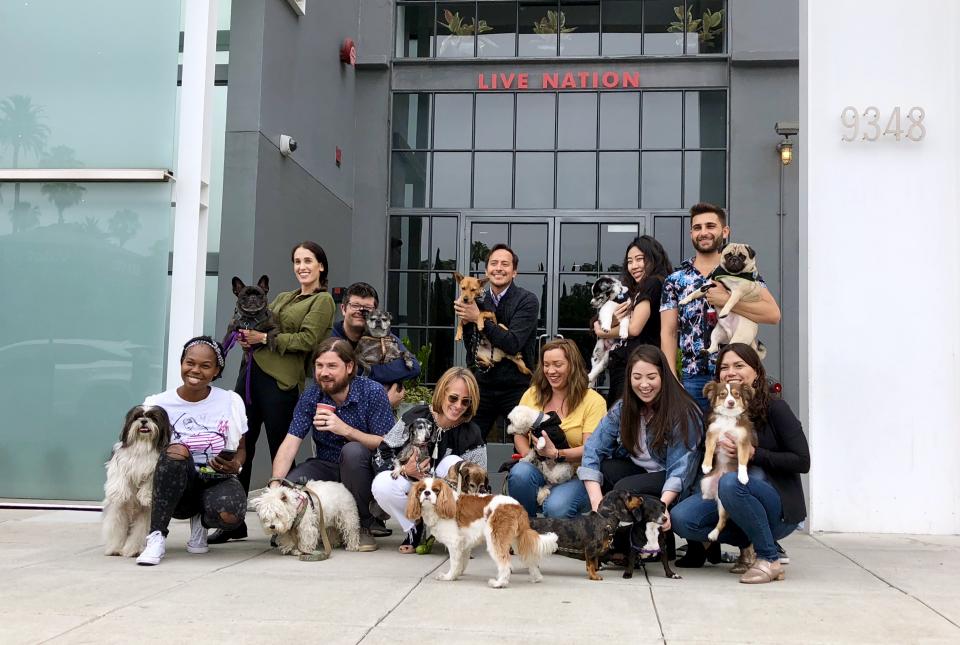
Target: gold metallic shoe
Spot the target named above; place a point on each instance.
(747, 557)
(762, 572)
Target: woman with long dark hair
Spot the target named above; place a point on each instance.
(645, 267)
(648, 442)
(770, 505)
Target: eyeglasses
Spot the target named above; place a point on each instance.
(453, 399)
(352, 306)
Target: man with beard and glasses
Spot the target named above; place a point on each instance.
(348, 416)
(688, 327)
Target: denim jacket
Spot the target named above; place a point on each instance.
(680, 462)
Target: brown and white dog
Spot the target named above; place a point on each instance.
(729, 403)
(468, 478)
(461, 522)
(471, 290)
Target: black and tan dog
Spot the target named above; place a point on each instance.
(644, 537)
(588, 537)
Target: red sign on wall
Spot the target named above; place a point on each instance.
(581, 80)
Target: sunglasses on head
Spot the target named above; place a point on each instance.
(455, 398)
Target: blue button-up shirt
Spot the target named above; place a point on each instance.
(366, 408)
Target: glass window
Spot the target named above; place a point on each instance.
(441, 352)
(498, 29)
(453, 121)
(451, 179)
(620, 120)
(456, 26)
(710, 20)
(409, 243)
(573, 305)
(538, 24)
(660, 180)
(534, 180)
(663, 28)
(529, 242)
(576, 179)
(613, 244)
(494, 122)
(578, 248)
(407, 294)
(662, 120)
(622, 31)
(409, 178)
(579, 28)
(705, 124)
(442, 293)
(619, 179)
(536, 121)
(536, 283)
(577, 114)
(484, 236)
(411, 121)
(414, 30)
(444, 254)
(493, 180)
(704, 177)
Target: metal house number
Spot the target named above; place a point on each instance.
(869, 123)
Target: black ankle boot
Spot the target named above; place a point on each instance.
(223, 535)
(695, 557)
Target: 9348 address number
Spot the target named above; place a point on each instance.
(866, 126)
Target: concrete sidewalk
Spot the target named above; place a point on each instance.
(55, 585)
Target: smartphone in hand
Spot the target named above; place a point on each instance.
(227, 455)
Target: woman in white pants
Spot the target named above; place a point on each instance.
(454, 438)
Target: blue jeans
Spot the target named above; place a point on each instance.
(694, 385)
(755, 516)
(566, 499)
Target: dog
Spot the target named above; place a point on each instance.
(379, 346)
(128, 491)
(420, 432)
(486, 355)
(460, 522)
(645, 536)
(729, 403)
(608, 294)
(738, 273)
(290, 514)
(471, 290)
(532, 423)
(252, 312)
(589, 537)
(467, 478)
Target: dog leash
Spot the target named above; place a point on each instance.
(301, 511)
(231, 341)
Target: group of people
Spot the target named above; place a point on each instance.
(645, 437)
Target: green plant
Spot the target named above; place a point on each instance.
(457, 26)
(552, 23)
(709, 26)
(414, 389)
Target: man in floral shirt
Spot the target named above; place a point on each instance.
(695, 320)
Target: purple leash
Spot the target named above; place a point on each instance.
(231, 341)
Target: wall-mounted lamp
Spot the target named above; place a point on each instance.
(786, 129)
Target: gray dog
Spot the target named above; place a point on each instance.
(379, 346)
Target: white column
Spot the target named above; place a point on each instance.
(880, 265)
(192, 189)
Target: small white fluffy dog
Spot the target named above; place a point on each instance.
(290, 514)
(128, 492)
(608, 294)
(527, 421)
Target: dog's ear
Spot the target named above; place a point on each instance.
(237, 285)
(446, 504)
(710, 390)
(457, 277)
(484, 281)
(131, 415)
(388, 316)
(414, 510)
(750, 251)
(264, 283)
(163, 427)
(747, 393)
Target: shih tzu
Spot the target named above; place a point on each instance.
(290, 513)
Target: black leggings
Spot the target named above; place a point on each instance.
(623, 474)
(180, 492)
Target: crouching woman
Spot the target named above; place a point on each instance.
(196, 477)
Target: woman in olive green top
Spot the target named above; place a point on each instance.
(305, 316)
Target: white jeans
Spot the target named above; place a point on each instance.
(391, 494)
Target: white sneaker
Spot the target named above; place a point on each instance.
(154, 550)
(198, 536)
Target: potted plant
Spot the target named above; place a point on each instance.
(415, 392)
(458, 41)
(707, 29)
(555, 22)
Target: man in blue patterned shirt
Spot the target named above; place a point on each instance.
(347, 416)
(688, 327)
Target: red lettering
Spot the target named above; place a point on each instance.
(610, 79)
(568, 81)
(631, 79)
(523, 81)
(550, 81)
(595, 84)
(507, 81)
(482, 83)
(583, 78)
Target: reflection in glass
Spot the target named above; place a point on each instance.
(407, 295)
(622, 27)
(585, 341)
(494, 124)
(444, 243)
(614, 238)
(442, 293)
(578, 247)
(711, 27)
(451, 179)
(538, 26)
(534, 180)
(573, 305)
(483, 237)
(662, 120)
(577, 118)
(576, 179)
(456, 28)
(415, 24)
(620, 120)
(663, 28)
(411, 121)
(529, 242)
(660, 180)
(705, 177)
(409, 179)
(619, 179)
(537, 285)
(580, 35)
(705, 123)
(453, 121)
(441, 353)
(408, 243)
(492, 180)
(501, 20)
(536, 119)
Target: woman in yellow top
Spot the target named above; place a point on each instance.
(305, 317)
(559, 385)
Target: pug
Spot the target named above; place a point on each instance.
(738, 273)
(379, 346)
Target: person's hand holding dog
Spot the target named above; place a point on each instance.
(415, 470)
(250, 337)
(729, 447)
(717, 296)
(468, 312)
(549, 450)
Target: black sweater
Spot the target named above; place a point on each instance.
(518, 311)
(783, 453)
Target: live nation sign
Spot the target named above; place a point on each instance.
(557, 80)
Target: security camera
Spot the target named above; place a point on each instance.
(288, 145)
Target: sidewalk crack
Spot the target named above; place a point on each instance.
(404, 597)
(653, 601)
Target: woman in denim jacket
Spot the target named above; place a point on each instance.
(648, 442)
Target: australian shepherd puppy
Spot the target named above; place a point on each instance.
(129, 488)
(729, 403)
(460, 522)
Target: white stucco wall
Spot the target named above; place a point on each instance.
(880, 268)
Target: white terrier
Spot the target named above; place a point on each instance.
(291, 515)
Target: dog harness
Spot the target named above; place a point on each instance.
(720, 272)
(308, 498)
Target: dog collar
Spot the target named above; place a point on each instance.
(720, 272)
(539, 420)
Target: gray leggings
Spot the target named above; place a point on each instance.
(180, 492)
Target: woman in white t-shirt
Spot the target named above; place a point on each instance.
(196, 476)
